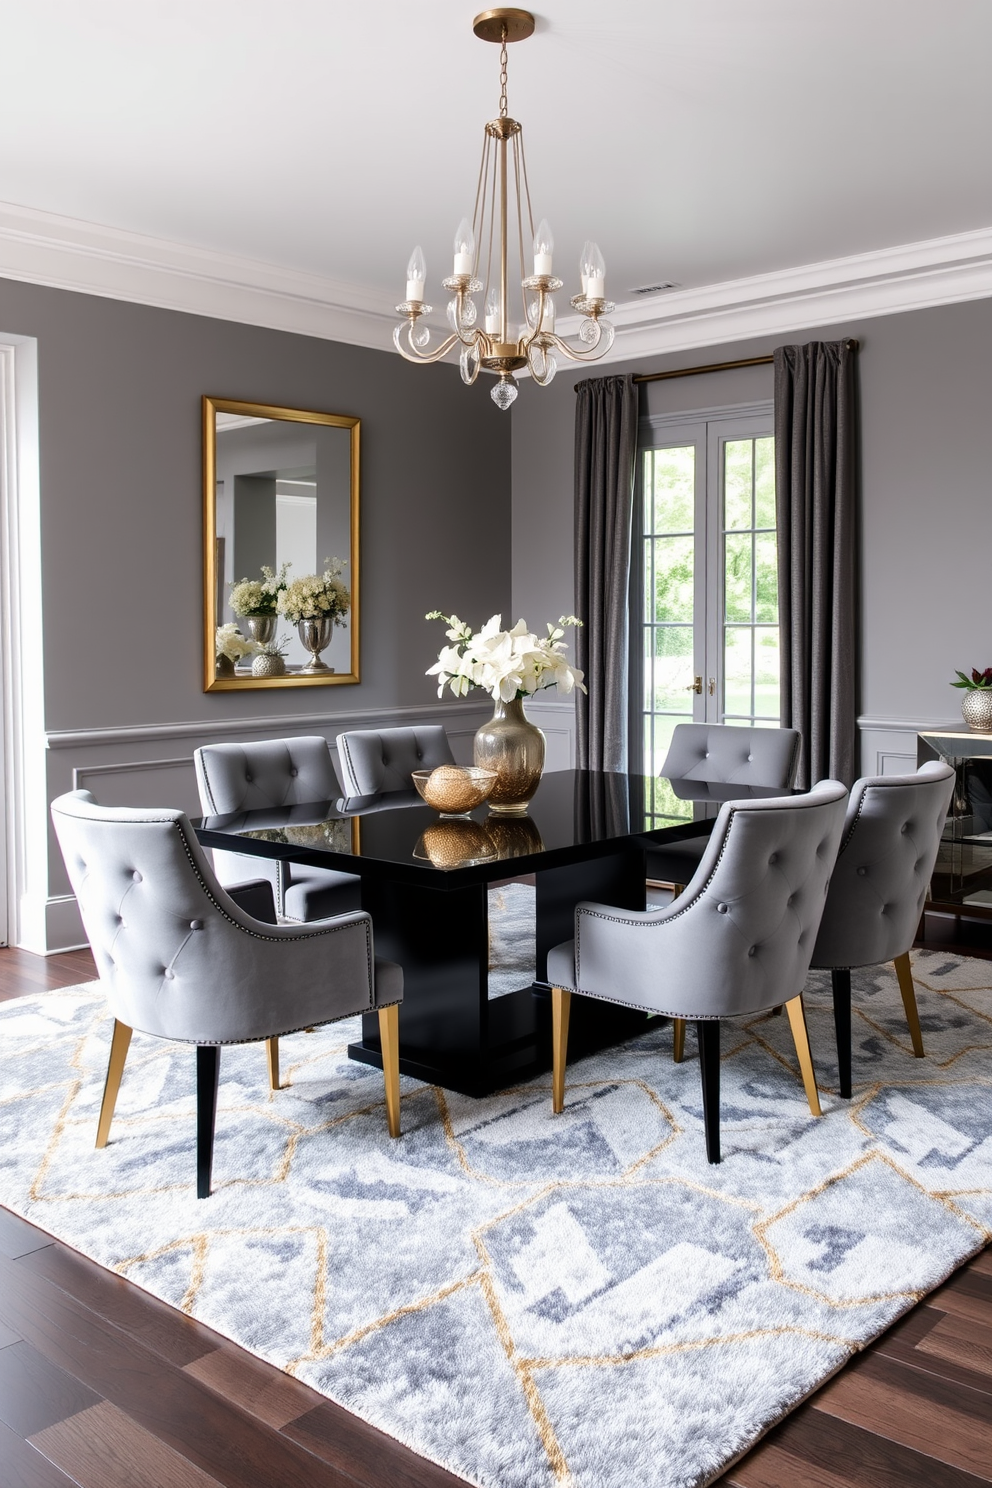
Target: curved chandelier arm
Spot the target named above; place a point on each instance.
(402, 340)
(600, 340)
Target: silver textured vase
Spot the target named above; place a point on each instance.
(976, 705)
(268, 664)
(261, 628)
(514, 747)
(316, 636)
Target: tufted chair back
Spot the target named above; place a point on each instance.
(176, 956)
(269, 772)
(739, 939)
(375, 760)
(740, 756)
(888, 850)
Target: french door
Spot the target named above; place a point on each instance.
(706, 615)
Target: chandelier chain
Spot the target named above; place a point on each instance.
(503, 105)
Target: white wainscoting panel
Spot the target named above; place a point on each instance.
(153, 766)
(888, 745)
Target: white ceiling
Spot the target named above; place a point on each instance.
(697, 140)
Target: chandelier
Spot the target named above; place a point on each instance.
(483, 248)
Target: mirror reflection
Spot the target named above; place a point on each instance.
(281, 560)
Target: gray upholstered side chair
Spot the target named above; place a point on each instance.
(179, 959)
(719, 755)
(879, 886)
(736, 942)
(276, 772)
(375, 760)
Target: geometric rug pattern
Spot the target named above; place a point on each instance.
(532, 1300)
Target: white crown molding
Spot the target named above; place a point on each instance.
(66, 253)
(886, 281)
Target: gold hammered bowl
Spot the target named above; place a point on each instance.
(454, 789)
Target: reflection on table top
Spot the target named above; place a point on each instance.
(576, 814)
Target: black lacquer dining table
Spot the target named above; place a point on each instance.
(425, 881)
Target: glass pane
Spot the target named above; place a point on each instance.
(673, 589)
(737, 484)
(737, 578)
(737, 670)
(674, 489)
(764, 482)
(668, 673)
(766, 578)
(766, 671)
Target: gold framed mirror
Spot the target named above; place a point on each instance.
(280, 547)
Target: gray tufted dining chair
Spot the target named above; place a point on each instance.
(178, 958)
(376, 760)
(888, 849)
(736, 942)
(723, 756)
(273, 773)
(720, 754)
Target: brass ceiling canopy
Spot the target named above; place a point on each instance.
(489, 25)
(509, 338)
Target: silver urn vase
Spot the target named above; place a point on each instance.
(261, 628)
(316, 637)
(514, 747)
(976, 705)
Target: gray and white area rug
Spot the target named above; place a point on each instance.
(532, 1301)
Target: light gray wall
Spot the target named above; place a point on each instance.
(926, 391)
(119, 400)
(120, 462)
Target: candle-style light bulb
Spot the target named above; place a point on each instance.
(416, 274)
(492, 312)
(593, 271)
(544, 247)
(464, 248)
(583, 259)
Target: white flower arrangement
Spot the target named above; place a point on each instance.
(259, 596)
(507, 664)
(316, 596)
(231, 643)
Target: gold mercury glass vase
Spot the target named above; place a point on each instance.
(514, 747)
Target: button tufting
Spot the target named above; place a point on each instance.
(752, 950)
(248, 778)
(196, 924)
(294, 772)
(136, 876)
(170, 976)
(790, 901)
(773, 858)
(750, 758)
(862, 872)
(722, 908)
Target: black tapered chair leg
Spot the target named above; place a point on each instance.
(708, 1034)
(207, 1080)
(840, 979)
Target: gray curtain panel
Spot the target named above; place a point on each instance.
(816, 459)
(605, 455)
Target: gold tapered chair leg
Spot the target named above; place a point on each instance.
(905, 974)
(797, 1022)
(272, 1054)
(678, 1040)
(119, 1045)
(561, 1006)
(389, 1036)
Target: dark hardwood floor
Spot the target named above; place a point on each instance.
(102, 1386)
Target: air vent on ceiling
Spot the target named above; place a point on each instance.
(644, 289)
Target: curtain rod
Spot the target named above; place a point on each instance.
(758, 361)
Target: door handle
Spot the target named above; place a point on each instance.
(696, 685)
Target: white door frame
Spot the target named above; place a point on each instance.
(25, 830)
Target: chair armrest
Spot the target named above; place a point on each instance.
(255, 898)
